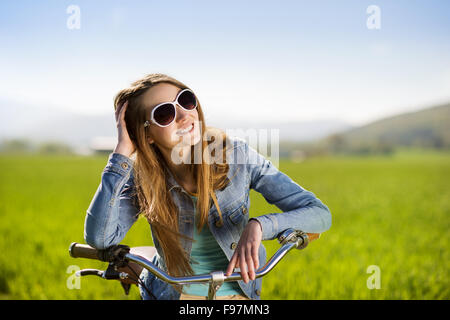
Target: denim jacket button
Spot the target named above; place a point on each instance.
(219, 223)
(233, 245)
(258, 292)
(244, 210)
(124, 165)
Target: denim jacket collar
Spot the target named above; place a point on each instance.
(171, 181)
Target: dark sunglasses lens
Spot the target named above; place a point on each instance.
(164, 114)
(187, 100)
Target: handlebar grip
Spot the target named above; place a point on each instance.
(78, 250)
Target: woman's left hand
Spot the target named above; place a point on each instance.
(245, 256)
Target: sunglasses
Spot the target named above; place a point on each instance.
(165, 113)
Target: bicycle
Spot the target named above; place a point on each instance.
(119, 257)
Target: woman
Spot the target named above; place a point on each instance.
(197, 210)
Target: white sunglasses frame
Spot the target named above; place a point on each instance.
(174, 103)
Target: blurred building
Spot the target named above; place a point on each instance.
(102, 145)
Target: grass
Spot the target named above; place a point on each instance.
(392, 212)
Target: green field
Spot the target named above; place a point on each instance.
(392, 212)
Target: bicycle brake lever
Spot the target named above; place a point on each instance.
(88, 272)
(126, 287)
(112, 274)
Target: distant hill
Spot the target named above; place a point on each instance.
(289, 131)
(426, 128)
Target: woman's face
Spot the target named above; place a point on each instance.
(168, 137)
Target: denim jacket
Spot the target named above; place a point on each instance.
(113, 210)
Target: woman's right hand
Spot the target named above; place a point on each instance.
(124, 145)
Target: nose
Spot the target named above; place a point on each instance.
(181, 114)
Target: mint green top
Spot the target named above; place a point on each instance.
(209, 257)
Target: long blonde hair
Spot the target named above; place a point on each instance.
(154, 198)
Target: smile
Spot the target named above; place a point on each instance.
(186, 130)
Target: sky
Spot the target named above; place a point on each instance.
(256, 60)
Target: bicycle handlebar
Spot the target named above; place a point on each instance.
(289, 239)
(202, 278)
